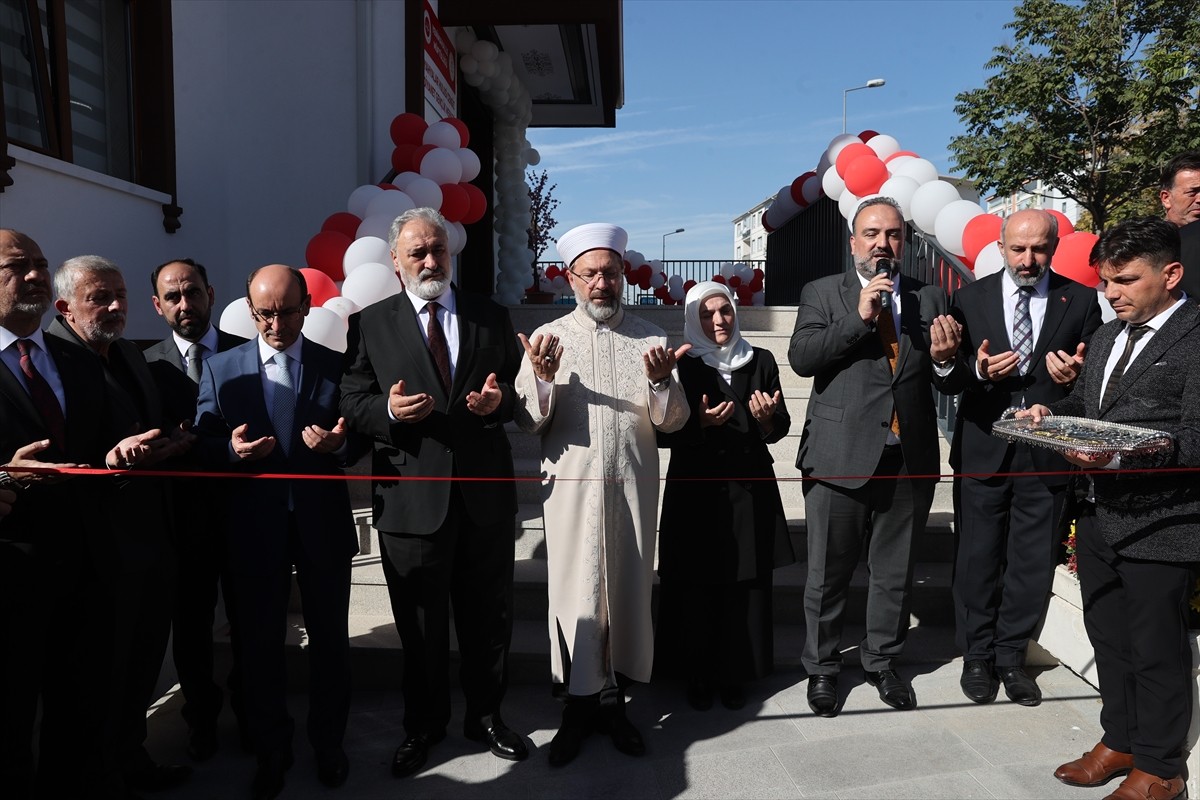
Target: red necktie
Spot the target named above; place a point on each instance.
(886, 326)
(437, 345)
(43, 396)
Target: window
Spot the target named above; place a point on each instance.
(89, 82)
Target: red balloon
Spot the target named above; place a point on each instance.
(759, 274)
(320, 286)
(718, 278)
(865, 174)
(325, 252)
(850, 153)
(735, 282)
(478, 203)
(868, 135)
(408, 129)
(899, 153)
(981, 231)
(1065, 228)
(419, 154)
(662, 293)
(402, 157)
(456, 203)
(1071, 258)
(463, 133)
(644, 284)
(766, 225)
(756, 285)
(645, 272)
(798, 188)
(343, 222)
(553, 271)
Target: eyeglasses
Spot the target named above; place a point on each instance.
(270, 316)
(610, 275)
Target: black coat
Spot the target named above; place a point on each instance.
(722, 531)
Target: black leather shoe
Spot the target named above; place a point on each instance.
(157, 777)
(978, 681)
(413, 751)
(732, 696)
(624, 736)
(269, 777)
(892, 690)
(699, 694)
(500, 739)
(1019, 687)
(578, 722)
(333, 767)
(823, 695)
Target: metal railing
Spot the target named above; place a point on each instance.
(689, 270)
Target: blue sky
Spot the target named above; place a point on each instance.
(728, 100)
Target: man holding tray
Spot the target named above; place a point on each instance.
(1138, 536)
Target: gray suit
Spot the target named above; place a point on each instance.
(844, 445)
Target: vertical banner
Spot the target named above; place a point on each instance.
(441, 69)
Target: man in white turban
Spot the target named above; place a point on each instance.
(596, 385)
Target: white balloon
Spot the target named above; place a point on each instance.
(929, 199)
(635, 258)
(236, 319)
(470, 164)
(473, 78)
(788, 207)
(848, 204)
(989, 260)
(356, 204)
(950, 222)
(459, 231)
(774, 217)
(376, 227)
(533, 157)
(560, 284)
(342, 306)
(367, 250)
(325, 327)
(464, 40)
(919, 169)
(403, 179)
(811, 189)
(468, 65)
(389, 203)
(484, 51)
(657, 280)
(901, 189)
(883, 145)
(833, 184)
(743, 271)
(897, 162)
(676, 291)
(727, 270)
(425, 193)
(758, 299)
(838, 144)
(442, 165)
(442, 134)
(857, 205)
(370, 283)
(675, 280)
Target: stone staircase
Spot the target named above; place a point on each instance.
(376, 645)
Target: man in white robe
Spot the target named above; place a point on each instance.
(596, 385)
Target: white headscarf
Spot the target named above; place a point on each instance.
(724, 358)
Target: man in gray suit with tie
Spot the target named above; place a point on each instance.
(869, 339)
(1138, 534)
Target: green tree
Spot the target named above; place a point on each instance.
(1092, 97)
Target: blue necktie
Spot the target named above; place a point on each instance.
(283, 406)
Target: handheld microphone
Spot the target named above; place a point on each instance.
(884, 267)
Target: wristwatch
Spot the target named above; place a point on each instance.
(9, 482)
(660, 384)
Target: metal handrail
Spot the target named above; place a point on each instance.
(689, 269)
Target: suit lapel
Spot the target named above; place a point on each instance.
(413, 341)
(249, 366)
(468, 332)
(992, 308)
(910, 326)
(1098, 352)
(851, 288)
(10, 387)
(1058, 302)
(1177, 325)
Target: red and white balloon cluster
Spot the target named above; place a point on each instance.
(855, 168)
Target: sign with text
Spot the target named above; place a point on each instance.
(441, 67)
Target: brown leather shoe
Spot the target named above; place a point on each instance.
(1144, 786)
(1095, 767)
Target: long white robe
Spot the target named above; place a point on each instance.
(600, 494)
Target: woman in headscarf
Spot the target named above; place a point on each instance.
(723, 529)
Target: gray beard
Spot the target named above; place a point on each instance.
(426, 290)
(94, 334)
(33, 309)
(599, 313)
(1021, 280)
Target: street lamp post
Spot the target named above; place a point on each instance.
(665, 235)
(871, 84)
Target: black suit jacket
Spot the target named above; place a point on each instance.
(170, 374)
(1189, 240)
(384, 346)
(1072, 316)
(1148, 515)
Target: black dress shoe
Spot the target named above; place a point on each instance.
(413, 751)
(153, 777)
(269, 777)
(624, 735)
(500, 739)
(732, 696)
(333, 767)
(578, 722)
(1019, 687)
(823, 695)
(202, 742)
(699, 694)
(892, 690)
(978, 681)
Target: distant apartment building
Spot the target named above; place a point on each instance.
(1035, 194)
(749, 235)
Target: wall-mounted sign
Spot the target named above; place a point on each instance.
(441, 68)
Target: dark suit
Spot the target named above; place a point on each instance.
(265, 539)
(441, 540)
(199, 524)
(844, 444)
(1136, 550)
(720, 540)
(1007, 541)
(1189, 254)
(48, 575)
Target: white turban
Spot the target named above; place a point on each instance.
(592, 236)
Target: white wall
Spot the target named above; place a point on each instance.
(281, 109)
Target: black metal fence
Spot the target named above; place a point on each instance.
(689, 270)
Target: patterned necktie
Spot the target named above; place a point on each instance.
(1133, 333)
(195, 360)
(886, 326)
(437, 345)
(42, 395)
(1023, 330)
(283, 405)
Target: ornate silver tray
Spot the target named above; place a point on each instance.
(1082, 435)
